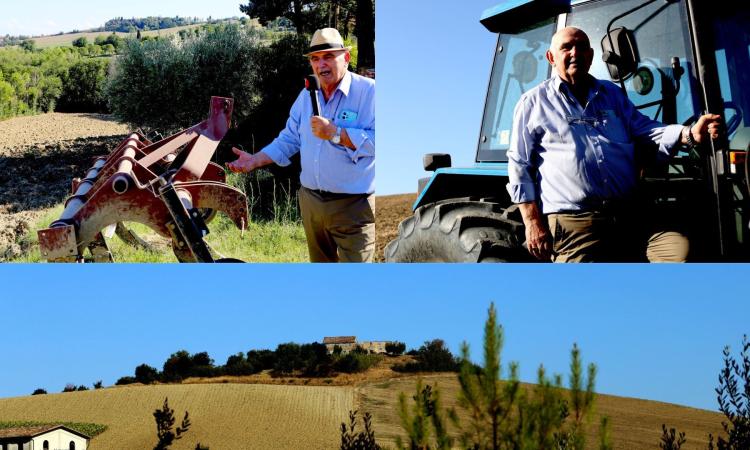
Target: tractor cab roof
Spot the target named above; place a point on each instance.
(514, 16)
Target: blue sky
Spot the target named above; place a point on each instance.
(655, 332)
(37, 17)
(433, 66)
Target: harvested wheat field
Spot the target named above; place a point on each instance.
(635, 424)
(390, 211)
(223, 416)
(237, 416)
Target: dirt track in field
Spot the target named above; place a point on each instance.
(390, 210)
(39, 156)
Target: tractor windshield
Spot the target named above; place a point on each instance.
(661, 83)
(519, 66)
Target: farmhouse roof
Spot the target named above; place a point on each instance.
(340, 339)
(36, 430)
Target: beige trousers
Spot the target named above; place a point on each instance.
(338, 227)
(600, 237)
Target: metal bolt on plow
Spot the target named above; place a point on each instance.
(170, 185)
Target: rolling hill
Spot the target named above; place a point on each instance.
(229, 415)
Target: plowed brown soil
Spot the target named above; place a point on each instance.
(39, 156)
(390, 210)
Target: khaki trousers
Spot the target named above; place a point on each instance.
(338, 227)
(597, 236)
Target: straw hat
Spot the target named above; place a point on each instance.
(326, 40)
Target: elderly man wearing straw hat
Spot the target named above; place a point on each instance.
(337, 152)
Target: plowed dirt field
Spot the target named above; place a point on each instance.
(39, 156)
(390, 211)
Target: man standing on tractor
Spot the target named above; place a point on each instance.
(572, 164)
(337, 150)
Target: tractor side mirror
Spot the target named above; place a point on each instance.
(621, 54)
(435, 161)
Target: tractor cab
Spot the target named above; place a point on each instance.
(675, 60)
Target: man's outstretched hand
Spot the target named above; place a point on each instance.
(246, 162)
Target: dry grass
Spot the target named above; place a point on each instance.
(67, 39)
(262, 412)
(636, 424)
(223, 416)
(377, 373)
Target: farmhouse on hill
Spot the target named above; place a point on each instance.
(42, 437)
(349, 343)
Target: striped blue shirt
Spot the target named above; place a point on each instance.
(325, 165)
(574, 157)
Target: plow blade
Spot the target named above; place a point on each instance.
(171, 186)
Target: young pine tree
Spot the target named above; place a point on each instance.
(426, 415)
(353, 440)
(499, 414)
(165, 422)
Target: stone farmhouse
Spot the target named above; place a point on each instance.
(348, 343)
(44, 437)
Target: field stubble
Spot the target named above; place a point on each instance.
(635, 423)
(223, 416)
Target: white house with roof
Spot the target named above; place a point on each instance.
(43, 437)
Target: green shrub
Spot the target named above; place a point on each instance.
(28, 45)
(288, 359)
(83, 87)
(238, 365)
(395, 348)
(356, 362)
(181, 365)
(158, 84)
(122, 381)
(433, 356)
(146, 374)
(310, 360)
(81, 42)
(261, 359)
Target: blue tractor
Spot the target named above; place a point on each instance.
(675, 59)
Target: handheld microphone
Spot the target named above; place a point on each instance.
(312, 85)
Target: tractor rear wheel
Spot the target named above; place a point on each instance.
(460, 230)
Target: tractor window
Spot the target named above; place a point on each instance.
(519, 65)
(732, 53)
(656, 88)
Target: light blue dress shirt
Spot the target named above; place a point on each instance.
(574, 157)
(325, 165)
